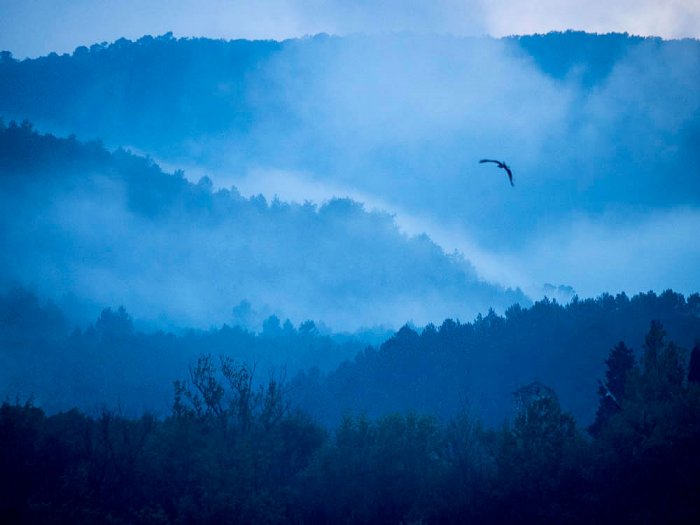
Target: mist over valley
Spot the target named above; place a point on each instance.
(400, 271)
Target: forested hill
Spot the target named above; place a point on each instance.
(224, 449)
(157, 92)
(588, 56)
(401, 119)
(112, 362)
(329, 184)
(477, 366)
(109, 228)
(153, 91)
(458, 368)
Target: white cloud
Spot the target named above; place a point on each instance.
(609, 252)
(666, 18)
(614, 252)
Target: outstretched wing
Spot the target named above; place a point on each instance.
(510, 174)
(489, 160)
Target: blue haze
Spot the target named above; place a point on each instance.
(601, 132)
(90, 229)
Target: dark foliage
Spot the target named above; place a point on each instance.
(589, 56)
(231, 452)
(160, 90)
(460, 366)
(694, 366)
(158, 103)
(110, 362)
(612, 391)
(478, 365)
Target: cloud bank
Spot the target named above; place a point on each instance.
(600, 130)
(109, 229)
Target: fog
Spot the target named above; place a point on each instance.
(615, 251)
(401, 121)
(601, 143)
(85, 226)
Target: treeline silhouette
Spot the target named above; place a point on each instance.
(233, 452)
(471, 367)
(158, 90)
(588, 56)
(165, 99)
(476, 366)
(111, 363)
(180, 84)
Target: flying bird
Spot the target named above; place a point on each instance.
(502, 165)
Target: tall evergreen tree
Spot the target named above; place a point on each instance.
(612, 392)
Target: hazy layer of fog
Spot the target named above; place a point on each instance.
(602, 145)
(83, 226)
(402, 121)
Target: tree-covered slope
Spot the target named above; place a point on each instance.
(151, 92)
(600, 131)
(82, 224)
(112, 362)
(478, 366)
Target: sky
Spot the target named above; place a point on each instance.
(30, 28)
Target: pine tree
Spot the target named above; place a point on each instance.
(612, 392)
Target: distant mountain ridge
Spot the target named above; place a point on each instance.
(160, 90)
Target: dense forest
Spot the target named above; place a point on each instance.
(471, 367)
(111, 363)
(231, 452)
(476, 366)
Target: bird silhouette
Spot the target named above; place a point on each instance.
(502, 165)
